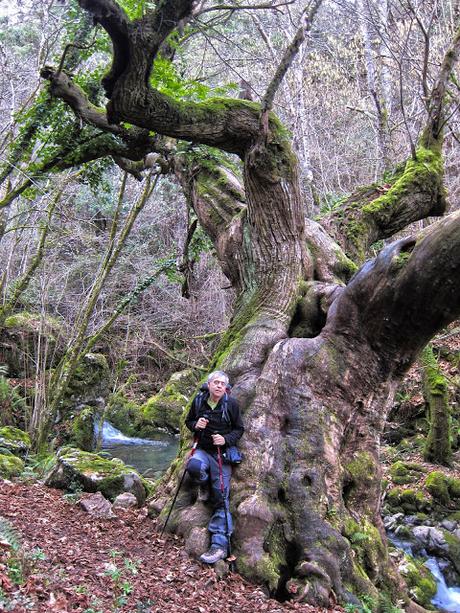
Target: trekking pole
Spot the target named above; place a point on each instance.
(230, 558)
(192, 451)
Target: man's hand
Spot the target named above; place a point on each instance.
(201, 423)
(218, 439)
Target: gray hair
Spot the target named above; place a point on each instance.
(218, 373)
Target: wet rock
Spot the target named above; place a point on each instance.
(391, 521)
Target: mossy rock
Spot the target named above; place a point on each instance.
(83, 429)
(164, 410)
(421, 583)
(20, 338)
(15, 440)
(453, 550)
(453, 486)
(90, 384)
(437, 484)
(124, 414)
(10, 466)
(76, 469)
(409, 501)
(403, 473)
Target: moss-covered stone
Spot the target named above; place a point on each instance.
(15, 440)
(164, 410)
(453, 550)
(453, 486)
(437, 484)
(421, 583)
(76, 469)
(408, 501)
(10, 466)
(124, 414)
(405, 472)
(90, 383)
(83, 429)
(20, 336)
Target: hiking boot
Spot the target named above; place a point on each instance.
(203, 493)
(214, 554)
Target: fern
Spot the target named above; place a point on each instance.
(8, 535)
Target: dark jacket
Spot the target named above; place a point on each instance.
(231, 428)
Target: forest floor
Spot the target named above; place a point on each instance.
(57, 559)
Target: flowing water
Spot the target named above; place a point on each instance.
(446, 598)
(150, 457)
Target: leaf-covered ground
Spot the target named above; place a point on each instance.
(54, 557)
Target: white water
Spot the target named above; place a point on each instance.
(446, 598)
(112, 436)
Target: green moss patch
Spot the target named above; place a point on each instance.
(90, 472)
(83, 429)
(408, 501)
(124, 414)
(15, 440)
(420, 581)
(406, 472)
(164, 410)
(437, 484)
(10, 466)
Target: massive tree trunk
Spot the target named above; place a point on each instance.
(306, 499)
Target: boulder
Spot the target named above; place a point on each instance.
(76, 469)
(97, 505)
(125, 501)
(432, 539)
(10, 466)
(439, 542)
(14, 440)
(124, 414)
(90, 384)
(165, 409)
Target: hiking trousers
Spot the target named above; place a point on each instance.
(203, 467)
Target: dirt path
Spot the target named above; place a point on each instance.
(70, 561)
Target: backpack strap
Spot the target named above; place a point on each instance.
(225, 414)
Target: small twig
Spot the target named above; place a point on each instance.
(243, 7)
(286, 62)
(75, 46)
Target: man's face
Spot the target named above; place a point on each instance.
(217, 388)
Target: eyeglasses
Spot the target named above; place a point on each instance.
(218, 383)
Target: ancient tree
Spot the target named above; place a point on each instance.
(316, 347)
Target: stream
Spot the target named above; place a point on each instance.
(446, 598)
(150, 457)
